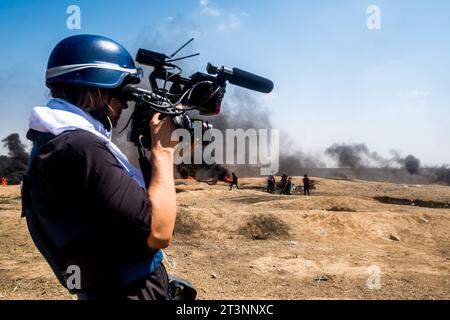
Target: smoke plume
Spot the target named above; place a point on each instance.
(15, 147)
(13, 166)
(412, 164)
(358, 155)
(348, 156)
(442, 175)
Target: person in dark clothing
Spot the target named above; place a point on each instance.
(283, 183)
(85, 204)
(288, 186)
(271, 183)
(234, 181)
(306, 185)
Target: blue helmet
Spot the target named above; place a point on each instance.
(91, 61)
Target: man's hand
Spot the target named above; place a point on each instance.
(161, 132)
(161, 191)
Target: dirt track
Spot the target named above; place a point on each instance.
(317, 247)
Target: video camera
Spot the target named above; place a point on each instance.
(173, 94)
(178, 94)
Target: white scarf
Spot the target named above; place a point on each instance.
(60, 116)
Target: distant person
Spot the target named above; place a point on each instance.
(289, 186)
(306, 184)
(271, 183)
(234, 181)
(283, 183)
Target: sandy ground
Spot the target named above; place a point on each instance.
(247, 244)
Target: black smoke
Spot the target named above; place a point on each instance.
(297, 162)
(358, 155)
(441, 175)
(14, 165)
(349, 156)
(412, 164)
(355, 156)
(203, 171)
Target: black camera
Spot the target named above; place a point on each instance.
(173, 94)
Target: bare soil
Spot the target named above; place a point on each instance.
(247, 244)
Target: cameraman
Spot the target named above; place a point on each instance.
(87, 208)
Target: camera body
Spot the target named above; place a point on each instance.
(173, 94)
(201, 92)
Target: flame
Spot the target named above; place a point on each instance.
(4, 182)
(190, 178)
(228, 179)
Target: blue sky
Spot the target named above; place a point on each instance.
(336, 80)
